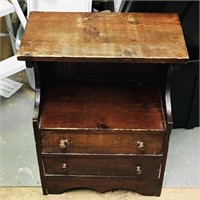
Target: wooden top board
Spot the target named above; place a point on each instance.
(103, 37)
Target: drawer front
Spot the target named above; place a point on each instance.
(102, 142)
(134, 166)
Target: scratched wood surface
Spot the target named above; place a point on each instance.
(113, 37)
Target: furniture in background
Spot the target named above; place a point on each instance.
(185, 80)
(107, 125)
(44, 5)
(59, 5)
(10, 65)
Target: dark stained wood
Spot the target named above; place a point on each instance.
(103, 165)
(57, 185)
(103, 105)
(169, 123)
(102, 142)
(100, 37)
(109, 126)
(37, 136)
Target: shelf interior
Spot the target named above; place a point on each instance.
(103, 105)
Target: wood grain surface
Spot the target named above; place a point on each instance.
(102, 142)
(103, 165)
(103, 106)
(110, 37)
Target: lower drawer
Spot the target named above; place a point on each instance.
(103, 165)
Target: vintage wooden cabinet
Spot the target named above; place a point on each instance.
(102, 116)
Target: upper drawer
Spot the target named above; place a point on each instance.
(102, 142)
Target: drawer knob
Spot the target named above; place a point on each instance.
(64, 167)
(138, 170)
(141, 145)
(63, 144)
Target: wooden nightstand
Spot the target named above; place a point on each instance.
(102, 116)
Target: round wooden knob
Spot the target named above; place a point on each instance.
(64, 167)
(138, 170)
(141, 145)
(63, 144)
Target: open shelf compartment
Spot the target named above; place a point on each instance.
(115, 105)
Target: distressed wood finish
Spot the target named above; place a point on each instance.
(100, 37)
(107, 127)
